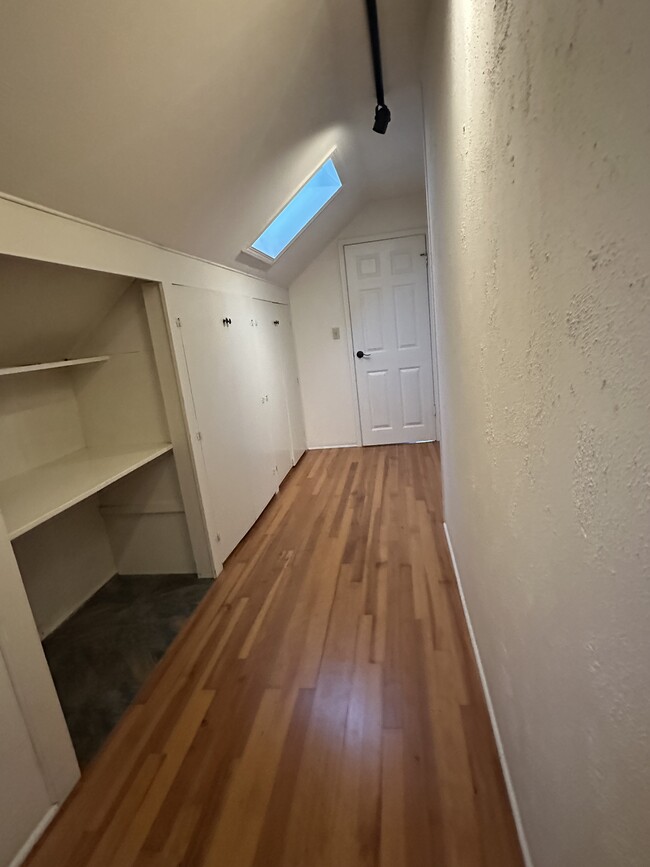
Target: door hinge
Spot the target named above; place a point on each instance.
(218, 538)
(198, 435)
(179, 324)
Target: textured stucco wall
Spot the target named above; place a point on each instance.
(538, 153)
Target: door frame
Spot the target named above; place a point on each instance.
(388, 236)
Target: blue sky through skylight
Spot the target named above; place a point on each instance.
(304, 206)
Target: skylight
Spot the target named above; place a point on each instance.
(301, 210)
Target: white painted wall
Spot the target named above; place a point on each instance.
(63, 562)
(538, 142)
(146, 523)
(318, 300)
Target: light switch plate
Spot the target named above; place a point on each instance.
(336, 333)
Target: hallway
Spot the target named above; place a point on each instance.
(321, 708)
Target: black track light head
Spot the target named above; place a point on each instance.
(382, 119)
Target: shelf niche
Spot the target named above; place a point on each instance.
(85, 429)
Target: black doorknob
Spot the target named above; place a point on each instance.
(362, 354)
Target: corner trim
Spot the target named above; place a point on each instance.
(512, 796)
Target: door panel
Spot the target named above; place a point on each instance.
(368, 265)
(411, 391)
(378, 398)
(270, 371)
(372, 319)
(401, 262)
(294, 396)
(389, 309)
(285, 354)
(406, 317)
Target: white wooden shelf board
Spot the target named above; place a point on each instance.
(51, 365)
(31, 498)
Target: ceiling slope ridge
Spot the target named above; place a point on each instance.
(73, 218)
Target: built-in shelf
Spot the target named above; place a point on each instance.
(36, 496)
(51, 365)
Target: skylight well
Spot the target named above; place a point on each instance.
(307, 203)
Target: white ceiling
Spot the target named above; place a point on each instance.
(189, 124)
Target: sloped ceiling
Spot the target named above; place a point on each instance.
(190, 123)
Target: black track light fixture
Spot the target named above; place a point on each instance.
(382, 112)
(382, 119)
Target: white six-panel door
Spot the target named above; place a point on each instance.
(391, 334)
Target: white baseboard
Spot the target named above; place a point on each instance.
(514, 806)
(34, 837)
(342, 446)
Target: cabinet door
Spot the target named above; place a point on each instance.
(270, 352)
(255, 384)
(24, 800)
(287, 352)
(219, 351)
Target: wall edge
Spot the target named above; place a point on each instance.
(27, 847)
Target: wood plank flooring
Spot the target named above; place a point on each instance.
(321, 708)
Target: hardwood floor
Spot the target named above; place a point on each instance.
(321, 708)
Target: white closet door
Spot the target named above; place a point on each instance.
(270, 354)
(257, 380)
(287, 354)
(226, 397)
(24, 800)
